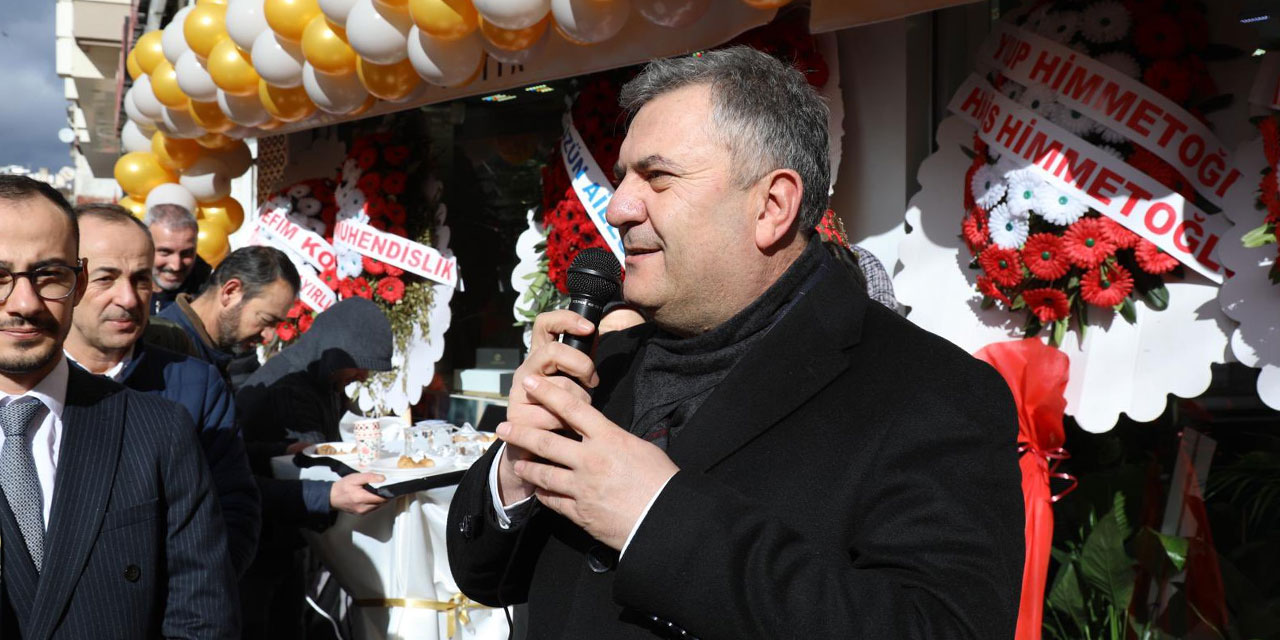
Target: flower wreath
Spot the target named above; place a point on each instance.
(1043, 250)
(1268, 193)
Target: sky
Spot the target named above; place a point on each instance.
(32, 106)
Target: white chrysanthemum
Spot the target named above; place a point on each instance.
(1110, 150)
(299, 191)
(309, 206)
(1058, 207)
(1025, 190)
(1109, 135)
(987, 186)
(1104, 22)
(1009, 227)
(1122, 62)
(1060, 26)
(278, 204)
(1038, 99)
(1072, 120)
(1036, 17)
(349, 263)
(1012, 90)
(351, 170)
(315, 224)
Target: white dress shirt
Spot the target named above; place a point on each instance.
(115, 373)
(45, 440)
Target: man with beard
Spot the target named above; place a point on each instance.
(107, 516)
(178, 269)
(246, 297)
(106, 339)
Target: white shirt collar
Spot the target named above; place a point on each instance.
(116, 372)
(52, 390)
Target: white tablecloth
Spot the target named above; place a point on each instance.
(396, 553)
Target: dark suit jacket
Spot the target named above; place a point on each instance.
(852, 477)
(135, 546)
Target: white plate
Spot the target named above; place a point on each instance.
(348, 458)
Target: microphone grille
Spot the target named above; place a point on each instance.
(595, 273)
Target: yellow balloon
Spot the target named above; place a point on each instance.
(140, 171)
(164, 82)
(205, 27)
(514, 39)
(393, 4)
(445, 19)
(231, 69)
(368, 104)
(149, 51)
(221, 2)
(216, 141)
(325, 47)
(289, 18)
(288, 105)
(388, 81)
(131, 65)
(138, 209)
(225, 212)
(211, 241)
(173, 153)
(209, 116)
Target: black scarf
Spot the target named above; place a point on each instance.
(677, 374)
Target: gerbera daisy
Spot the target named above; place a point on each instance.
(988, 288)
(975, 230)
(1025, 189)
(1012, 90)
(1122, 62)
(1009, 227)
(1049, 305)
(1170, 78)
(1044, 257)
(1106, 285)
(1104, 22)
(1152, 259)
(1002, 265)
(361, 288)
(300, 190)
(988, 188)
(370, 265)
(1121, 237)
(1158, 36)
(1038, 99)
(305, 322)
(1058, 207)
(1072, 120)
(1060, 26)
(1087, 242)
(391, 289)
(1109, 135)
(286, 331)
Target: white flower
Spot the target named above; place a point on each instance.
(1009, 227)
(309, 206)
(1039, 99)
(988, 189)
(279, 204)
(1109, 135)
(1037, 16)
(1072, 120)
(299, 191)
(1012, 90)
(1110, 150)
(1025, 189)
(1059, 26)
(351, 199)
(351, 170)
(1122, 62)
(314, 224)
(1104, 22)
(1060, 208)
(349, 263)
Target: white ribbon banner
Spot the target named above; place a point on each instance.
(396, 251)
(590, 183)
(1104, 182)
(1119, 102)
(311, 246)
(315, 293)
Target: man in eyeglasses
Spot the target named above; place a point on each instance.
(108, 519)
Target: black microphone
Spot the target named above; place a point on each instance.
(593, 280)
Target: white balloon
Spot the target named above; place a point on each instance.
(513, 14)
(237, 159)
(208, 179)
(337, 10)
(338, 94)
(277, 60)
(194, 78)
(523, 56)
(380, 35)
(245, 21)
(135, 114)
(170, 193)
(591, 21)
(672, 13)
(133, 139)
(172, 41)
(445, 62)
(180, 124)
(145, 99)
(246, 111)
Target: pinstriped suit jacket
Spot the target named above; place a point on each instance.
(136, 546)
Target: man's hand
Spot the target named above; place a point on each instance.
(349, 494)
(604, 482)
(547, 357)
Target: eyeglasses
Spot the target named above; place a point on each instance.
(54, 282)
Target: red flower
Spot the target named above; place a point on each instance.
(296, 310)
(1158, 36)
(1152, 260)
(1121, 237)
(397, 230)
(1002, 265)
(1087, 242)
(330, 277)
(393, 183)
(375, 206)
(391, 289)
(1170, 78)
(1162, 171)
(396, 155)
(366, 158)
(286, 331)
(1106, 285)
(370, 265)
(346, 288)
(989, 289)
(395, 212)
(976, 233)
(1048, 304)
(304, 323)
(1044, 256)
(392, 271)
(370, 183)
(360, 287)
(378, 223)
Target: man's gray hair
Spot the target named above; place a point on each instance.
(762, 110)
(171, 216)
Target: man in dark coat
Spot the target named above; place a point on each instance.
(105, 338)
(301, 390)
(773, 455)
(177, 268)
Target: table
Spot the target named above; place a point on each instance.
(394, 564)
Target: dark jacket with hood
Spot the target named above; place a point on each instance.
(294, 391)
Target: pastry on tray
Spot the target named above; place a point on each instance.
(416, 461)
(330, 450)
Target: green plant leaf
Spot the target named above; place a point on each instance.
(1128, 311)
(1104, 564)
(1258, 237)
(1157, 298)
(1059, 332)
(1065, 595)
